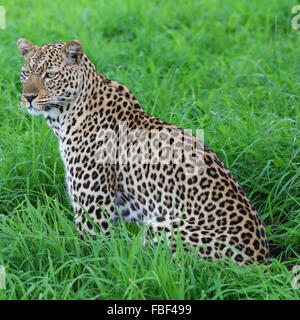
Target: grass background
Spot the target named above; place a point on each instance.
(230, 67)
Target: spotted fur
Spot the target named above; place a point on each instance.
(193, 195)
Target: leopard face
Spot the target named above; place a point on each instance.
(51, 75)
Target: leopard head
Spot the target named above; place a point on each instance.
(51, 75)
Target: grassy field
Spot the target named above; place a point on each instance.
(229, 67)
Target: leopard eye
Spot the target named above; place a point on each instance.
(50, 74)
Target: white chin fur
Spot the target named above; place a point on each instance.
(35, 112)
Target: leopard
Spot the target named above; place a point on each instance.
(123, 164)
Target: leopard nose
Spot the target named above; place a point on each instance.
(30, 97)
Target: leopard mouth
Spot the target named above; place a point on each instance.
(54, 103)
(45, 107)
(34, 111)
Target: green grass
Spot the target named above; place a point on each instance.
(229, 67)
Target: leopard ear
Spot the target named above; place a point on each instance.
(72, 52)
(25, 47)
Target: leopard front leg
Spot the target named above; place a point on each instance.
(93, 200)
(95, 217)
